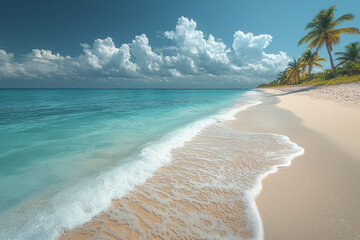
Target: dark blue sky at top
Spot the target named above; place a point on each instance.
(61, 26)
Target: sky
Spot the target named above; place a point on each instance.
(155, 44)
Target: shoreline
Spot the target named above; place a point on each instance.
(317, 197)
(318, 207)
(229, 212)
(79, 203)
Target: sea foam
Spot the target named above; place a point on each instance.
(206, 192)
(47, 217)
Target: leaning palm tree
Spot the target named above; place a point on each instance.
(294, 71)
(351, 54)
(309, 60)
(324, 31)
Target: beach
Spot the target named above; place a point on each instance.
(202, 122)
(318, 196)
(315, 198)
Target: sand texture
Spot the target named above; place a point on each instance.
(318, 197)
(346, 92)
(207, 191)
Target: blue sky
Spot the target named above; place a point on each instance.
(152, 43)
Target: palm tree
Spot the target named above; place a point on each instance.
(281, 77)
(351, 54)
(294, 70)
(309, 60)
(324, 31)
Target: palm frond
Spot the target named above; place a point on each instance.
(351, 53)
(323, 29)
(318, 65)
(345, 17)
(348, 30)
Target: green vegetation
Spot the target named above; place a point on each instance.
(337, 80)
(294, 70)
(351, 54)
(309, 60)
(323, 31)
(318, 81)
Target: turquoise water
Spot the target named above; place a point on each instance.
(52, 139)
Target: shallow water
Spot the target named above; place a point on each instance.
(66, 153)
(52, 138)
(206, 192)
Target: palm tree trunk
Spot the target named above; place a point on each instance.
(331, 60)
(309, 74)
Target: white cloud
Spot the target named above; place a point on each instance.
(199, 54)
(6, 64)
(37, 64)
(106, 57)
(249, 48)
(148, 61)
(192, 60)
(243, 41)
(42, 63)
(42, 54)
(251, 58)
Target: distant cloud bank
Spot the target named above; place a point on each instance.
(195, 61)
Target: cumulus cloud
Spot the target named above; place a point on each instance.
(44, 55)
(249, 48)
(104, 56)
(197, 53)
(149, 62)
(39, 63)
(194, 60)
(7, 68)
(251, 57)
(42, 63)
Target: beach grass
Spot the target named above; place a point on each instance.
(320, 81)
(337, 80)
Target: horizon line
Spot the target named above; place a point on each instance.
(125, 88)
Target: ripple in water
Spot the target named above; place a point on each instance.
(206, 192)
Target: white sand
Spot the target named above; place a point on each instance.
(318, 196)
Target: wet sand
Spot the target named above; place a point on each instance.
(318, 197)
(206, 192)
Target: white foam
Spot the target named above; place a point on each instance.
(253, 211)
(203, 178)
(46, 218)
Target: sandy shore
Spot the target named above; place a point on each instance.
(318, 197)
(206, 192)
(202, 194)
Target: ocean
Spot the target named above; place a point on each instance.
(64, 154)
